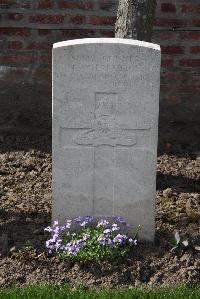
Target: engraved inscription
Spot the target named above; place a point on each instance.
(115, 71)
(120, 68)
(104, 58)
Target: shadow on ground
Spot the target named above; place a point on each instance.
(20, 228)
(178, 182)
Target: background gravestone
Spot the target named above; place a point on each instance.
(105, 122)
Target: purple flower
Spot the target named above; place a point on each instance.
(73, 247)
(82, 221)
(132, 242)
(57, 244)
(53, 244)
(115, 227)
(62, 228)
(67, 246)
(103, 223)
(56, 229)
(54, 238)
(48, 243)
(120, 220)
(85, 237)
(107, 231)
(105, 241)
(120, 239)
(48, 229)
(78, 219)
(68, 224)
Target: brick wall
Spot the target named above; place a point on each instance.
(28, 28)
(177, 30)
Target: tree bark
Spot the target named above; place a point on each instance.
(135, 19)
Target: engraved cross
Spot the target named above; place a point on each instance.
(104, 135)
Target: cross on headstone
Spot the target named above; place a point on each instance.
(105, 124)
(105, 135)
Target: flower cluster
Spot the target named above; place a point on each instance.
(85, 238)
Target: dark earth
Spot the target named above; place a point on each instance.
(25, 209)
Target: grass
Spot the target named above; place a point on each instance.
(64, 292)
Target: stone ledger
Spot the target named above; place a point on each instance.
(105, 123)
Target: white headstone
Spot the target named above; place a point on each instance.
(105, 123)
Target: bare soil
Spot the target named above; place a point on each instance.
(25, 209)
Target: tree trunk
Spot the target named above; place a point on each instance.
(135, 19)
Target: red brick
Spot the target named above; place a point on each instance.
(78, 33)
(43, 75)
(196, 22)
(191, 8)
(107, 5)
(15, 16)
(14, 31)
(46, 19)
(190, 35)
(45, 59)
(18, 58)
(45, 4)
(168, 7)
(172, 100)
(97, 20)
(2, 44)
(187, 88)
(172, 23)
(15, 45)
(78, 19)
(39, 45)
(44, 31)
(107, 33)
(195, 49)
(172, 77)
(14, 4)
(189, 62)
(6, 4)
(167, 35)
(164, 88)
(85, 5)
(24, 4)
(167, 62)
(172, 49)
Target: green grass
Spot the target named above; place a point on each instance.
(64, 292)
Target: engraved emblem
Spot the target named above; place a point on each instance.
(104, 130)
(104, 133)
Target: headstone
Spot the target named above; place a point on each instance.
(105, 123)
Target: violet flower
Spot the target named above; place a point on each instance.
(105, 241)
(115, 227)
(120, 239)
(103, 223)
(82, 221)
(107, 231)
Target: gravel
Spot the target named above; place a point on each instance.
(25, 209)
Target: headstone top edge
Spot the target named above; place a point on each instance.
(106, 41)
